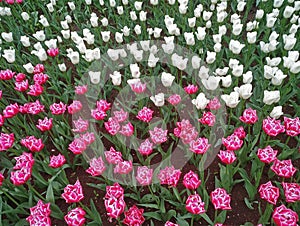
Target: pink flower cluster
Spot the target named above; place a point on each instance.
(75, 217)
(169, 176)
(134, 216)
(115, 157)
(32, 143)
(220, 199)
(40, 214)
(185, 131)
(97, 167)
(57, 161)
(23, 169)
(191, 180)
(79, 144)
(6, 141)
(284, 216)
(194, 204)
(73, 193)
(99, 113)
(272, 127)
(114, 200)
(208, 118)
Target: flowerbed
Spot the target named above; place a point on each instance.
(149, 113)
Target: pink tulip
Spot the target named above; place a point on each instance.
(73, 193)
(220, 199)
(269, 192)
(194, 204)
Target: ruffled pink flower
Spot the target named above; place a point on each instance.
(112, 156)
(185, 131)
(35, 90)
(227, 157)
(40, 214)
(88, 138)
(75, 107)
(80, 125)
(146, 147)
(32, 108)
(138, 87)
(97, 167)
(267, 155)
(6, 74)
(169, 223)
(75, 217)
(169, 176)
(292, 126)
(24, 161)
(80, 90)
(39, 68)
(145, 114)
(2, 119)
(32, 143)
(114, 206)
(121, 115)
(1, 179)
(112, 126)
(191, 89)
(21, 86)
(232, 142)
(20, 77)
(283, 216)
(283, 168)
(6, 141)
(123, 167)
(199, 146)
(272, 127)
(214, 104)
(127, 129)
(174, 99)
(191, 180)
(114, 190)
(291, 192)
(144, 175)
(249, 116)
(73, 193)
(40, 78)
(240, 132)
(58, 108)
(20, 176)
(269, 192)
(158, 135)
(77, 146)
(103, 105)
(53, 52)
(134, 216)
(208, 118)
(98, 115)
(57, 161)
(220, 199)
(44, 124)
(194, 204)
(11, 110)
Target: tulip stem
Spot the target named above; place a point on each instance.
(192, 220)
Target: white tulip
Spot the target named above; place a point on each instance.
(196, 60)
(278, 78)
(200, 34)
(104, 21)
(189, 38)
(71, 6)
(247, 77)
(168, 20)
(167, 79)
(273, 36)
(235, 19)
(297, 5)
(217, 47)
(206, 15)
(68, 18)
(210, 57)
(112, 3)
(168, 48)
(221, 16)
(179, 61)
(276, 112)
(233, 62)
(270, 20)
(192, 22)
(277, 3)
(29, 68)
(222, 71)
(158, 100)
(269, 72)
(81, 47)
(66, 34)
(138, 5)
(133, 15)
(52, 43)
(294, 19)
(295, 68)
(182, 9)
(25, 16)
(235, 46)
(294, 29)
(138, 55)
(41, 54)
(138, 29)
(237, 29)
(88, 2)
(231, 100)
(125, 2)
(241, 5)
(89, 55)
(208, 24)
(237, 70)
(64, 24)
(101, 2)
(95, 76)
(171, 2)
(289, 41)
(9, 55)
(120, 10)
(156, 32)
(274, 61)
(203, 72)
(211, 83)
(288, 62)
(271, 97)
(74, 57)
(217, 38)
(245, 91)
(259, 14)
(251, 37)
(293, 55)
(273, 45)
(145, 45)
(116, 78)
(222, 29)
(143, 16)
(126, 31)
(288, 11)
(154, 2)
(25, 41)
(40, 35)
(119, 37)
(226, 81)
(97, 54)
(43, 20)
(62, 67)
(94, 20)
(152, 60)
(135, 70)
(201, 101)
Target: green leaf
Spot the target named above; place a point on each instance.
(154, 215)
(96, 213)
(49, 194)
(248, 204)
